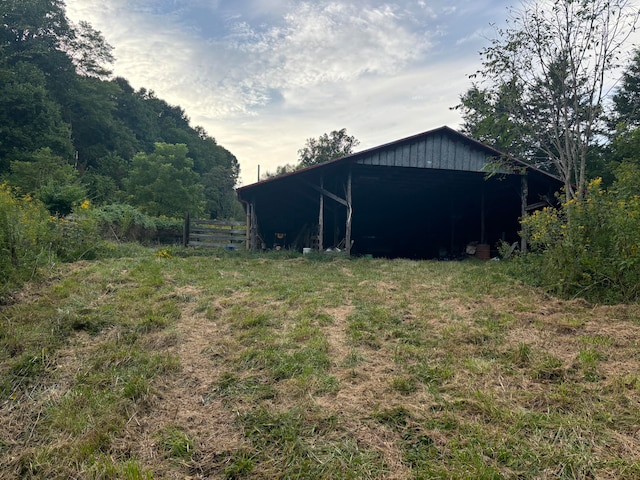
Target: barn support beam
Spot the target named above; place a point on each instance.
(349, 215)
(321, 218)
(524, 194)
(253, 226)
(483, 232)
(248, 220)
(327, 193)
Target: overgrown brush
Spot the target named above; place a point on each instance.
(26, 236)
(590, 247)
(31, 239)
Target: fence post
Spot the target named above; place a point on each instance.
(185, 232)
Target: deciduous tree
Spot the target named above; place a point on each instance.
(326, 147)
(558, 58)
(164, 183)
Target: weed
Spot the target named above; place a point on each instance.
(548, 368)
(404, 384)
(522, 355)
(177, 443)
(396, 417)
(353, 358)
(242, 464)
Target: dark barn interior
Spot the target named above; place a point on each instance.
(420, 197)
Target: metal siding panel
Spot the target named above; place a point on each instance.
(451, 156)
(422, 155)
(436, 152)
(388, 158)
(459, 158)
(466, 166)
(454, 153)
(413, 155)
(385, 158)
(478, 162)
(406, 155)
(431, 153)
(464, 155)
(444, 151)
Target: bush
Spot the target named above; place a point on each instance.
(123, 222)
(26, 238)
(590, 247)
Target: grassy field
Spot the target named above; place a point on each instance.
(181, 365)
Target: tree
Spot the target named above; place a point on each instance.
(29, 118)
(488, 118)
(280, 170)
(89, 51)
(326, 147)
(556, 58)
(164, 183)
(49, 178)
(626, 100)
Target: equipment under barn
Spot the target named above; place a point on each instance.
(426, 196)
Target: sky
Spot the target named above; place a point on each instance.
(263, 76)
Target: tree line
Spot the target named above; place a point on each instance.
(69, 132)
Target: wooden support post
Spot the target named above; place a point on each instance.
(185, 231)
(483, 233)
(524, 198)
(349, 216)
(248, 222)
(321, 218)
(254, 227)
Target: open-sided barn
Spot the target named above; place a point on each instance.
(425, 196)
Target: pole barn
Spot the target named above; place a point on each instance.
(426, 196)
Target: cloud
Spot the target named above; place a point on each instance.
(262, 76)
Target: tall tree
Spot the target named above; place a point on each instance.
(558, 57)
(29, 118)
(626, 101)
(326, 147)
(164, 183)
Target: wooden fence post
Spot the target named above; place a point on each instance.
(185, 232)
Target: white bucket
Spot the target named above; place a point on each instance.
(307, 251)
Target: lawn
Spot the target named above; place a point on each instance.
(186, 364)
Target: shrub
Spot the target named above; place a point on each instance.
(25, 238)
(122, 222)
(590, 247)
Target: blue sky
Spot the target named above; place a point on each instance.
(262, 76)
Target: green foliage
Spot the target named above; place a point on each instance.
(591, 247)
(124, 222)
(488, 117)
(25, 238)
(30, 119)
(627, 97)
(164, 183)
(51, 179)
(326, 147)
(177, 443)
